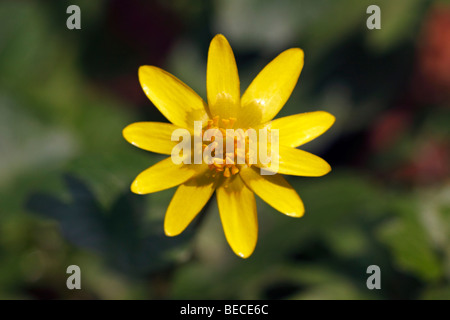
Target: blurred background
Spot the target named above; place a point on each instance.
(65, 169)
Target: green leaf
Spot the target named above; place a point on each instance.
(409, 243)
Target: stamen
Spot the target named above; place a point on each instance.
(230, 165)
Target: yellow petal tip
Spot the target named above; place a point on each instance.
(137, 188)
(326, 170)
(219, 36)
(243, 255)
(125, 133)
(220, 39)
(134, 188)
(295, 214)
(141, 71)
(144, 67)
(328, 118)
(168, 233)
(296, 54)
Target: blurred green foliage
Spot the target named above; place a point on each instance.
(65, 170)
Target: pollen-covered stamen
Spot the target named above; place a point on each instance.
(227, 162)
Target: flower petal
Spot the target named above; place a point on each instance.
(299, 163)
(299, 129)
(187, 202)
(151, 136)
(176, 101)
(222, 79)
(237, 209)
(164, 175)
(274, 190)
(272, 87)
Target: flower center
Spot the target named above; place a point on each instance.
(229, 149)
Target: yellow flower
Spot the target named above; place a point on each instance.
(234, 185)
